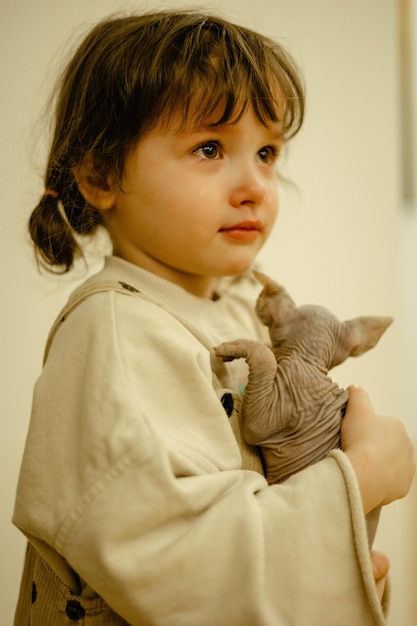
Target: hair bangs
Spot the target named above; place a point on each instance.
(214, 72)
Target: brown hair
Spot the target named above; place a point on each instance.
(131, 73)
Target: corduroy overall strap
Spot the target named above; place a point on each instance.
(79, 295)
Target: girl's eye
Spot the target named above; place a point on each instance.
(268, 154)
(209, 150)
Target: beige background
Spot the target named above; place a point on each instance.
(344, 238)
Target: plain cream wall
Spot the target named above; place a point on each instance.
(338, 240)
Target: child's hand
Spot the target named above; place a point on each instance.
(380, 567)
(379, 450)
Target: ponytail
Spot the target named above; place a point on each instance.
(55, 223)
(53, 237)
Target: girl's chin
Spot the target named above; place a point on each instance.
(236, 270)
(243, 265)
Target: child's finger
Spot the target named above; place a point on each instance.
(359, 401)
(380, 564)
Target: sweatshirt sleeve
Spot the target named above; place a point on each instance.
(132, 474)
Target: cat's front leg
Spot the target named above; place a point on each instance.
(259, 357)
(260, 396)
(256, 354)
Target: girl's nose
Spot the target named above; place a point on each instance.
(249, 189)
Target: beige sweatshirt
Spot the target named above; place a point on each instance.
(132, 474)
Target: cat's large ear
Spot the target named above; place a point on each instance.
(270, 286)
(274, 307)
(359, 335)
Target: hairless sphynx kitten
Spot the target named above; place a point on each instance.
(291, 408)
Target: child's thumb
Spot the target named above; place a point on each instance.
(358, 398)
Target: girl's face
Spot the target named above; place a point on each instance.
(197, 203)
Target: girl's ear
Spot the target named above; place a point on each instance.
(97, 192)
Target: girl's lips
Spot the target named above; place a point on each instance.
(244, 231)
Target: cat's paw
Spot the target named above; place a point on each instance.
(237, 349)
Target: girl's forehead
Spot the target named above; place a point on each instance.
(197, 117)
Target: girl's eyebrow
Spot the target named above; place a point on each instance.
(188, 132)
(277, 134)
(274, 132)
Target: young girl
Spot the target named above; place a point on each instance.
(141, 502)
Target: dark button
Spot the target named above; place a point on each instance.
(227, 402)
(128, 287)
(34, 592)
(74, 610)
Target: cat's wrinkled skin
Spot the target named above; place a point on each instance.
(291, 408)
